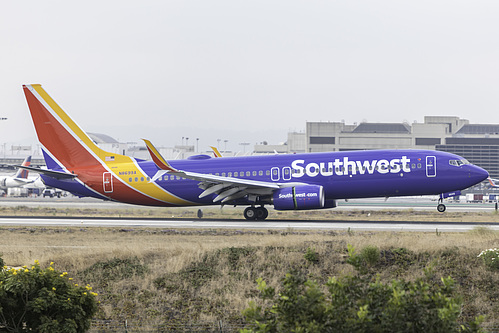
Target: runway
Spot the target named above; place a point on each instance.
(399, 203)
(128, 223)
(423, 204)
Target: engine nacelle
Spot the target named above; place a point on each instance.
(299, 197)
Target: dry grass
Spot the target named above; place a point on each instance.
(167, 276)
(237, 213)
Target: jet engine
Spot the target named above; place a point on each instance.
(299, 197)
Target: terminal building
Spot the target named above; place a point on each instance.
(478, 143)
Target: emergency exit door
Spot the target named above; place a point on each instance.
(107, 182)
(431, 166)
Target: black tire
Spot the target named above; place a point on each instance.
(441, 208)
(261, 213)
(250, 213)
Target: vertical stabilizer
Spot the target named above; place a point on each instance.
(64, 143)
(23, 173)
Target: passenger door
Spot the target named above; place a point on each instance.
(431, 166)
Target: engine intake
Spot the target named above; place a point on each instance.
(299, 197)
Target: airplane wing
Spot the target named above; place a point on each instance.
(51, 173)
(226, 188)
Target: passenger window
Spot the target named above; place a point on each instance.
(129, 180)
(248, 174)
(267, 172)
(236, 174)
(229, 174)
(136, 179)
(260, 173)
(254, 173)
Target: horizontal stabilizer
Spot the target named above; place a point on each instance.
(51, 173)
(24, 180)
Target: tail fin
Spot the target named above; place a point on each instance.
(23, 173)
(492, 182)
(65, 145)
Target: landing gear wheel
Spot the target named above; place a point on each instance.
(441, 208)
(261, 213)
(250, 213)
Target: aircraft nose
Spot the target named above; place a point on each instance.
(478, 174)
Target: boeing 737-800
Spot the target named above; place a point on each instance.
(288, 182)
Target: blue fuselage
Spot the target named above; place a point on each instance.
(343, 175)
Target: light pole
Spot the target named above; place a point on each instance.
(197, 145)
(244, 144)
(225, 141)
(3, 118)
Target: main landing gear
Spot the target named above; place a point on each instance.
(256, 213)
(440, 206)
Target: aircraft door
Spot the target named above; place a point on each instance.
(107, 181)
(431, 166)
(274, 174)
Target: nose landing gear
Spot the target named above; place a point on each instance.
(256, 214)
(441, 207)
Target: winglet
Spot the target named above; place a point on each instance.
(157, 158)
(215, 151)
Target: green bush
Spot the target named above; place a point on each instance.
(356, 304)
(490, 258)
(370, 255)
(43, 300)
(311, 255)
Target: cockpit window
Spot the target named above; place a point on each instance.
(458, 162)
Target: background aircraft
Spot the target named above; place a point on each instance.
(20, 178)
(288, 182)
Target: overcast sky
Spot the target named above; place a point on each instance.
(246, 71)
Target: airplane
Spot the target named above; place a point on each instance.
(19, 179)
(287, 182)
